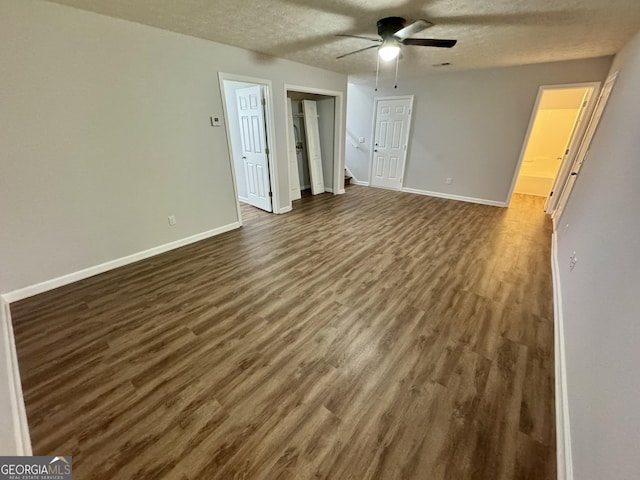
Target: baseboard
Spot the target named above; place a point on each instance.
(21, 440)
(358, 182)
(459, 198)
(328, 189)
(47, 285)
(243, 199)
(342, 191)
(563, 428)
(354, 180)
(347, 171)
(285, 209)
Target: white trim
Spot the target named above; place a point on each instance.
(563, 428)
(358, 182)
(286, 209)
(354, 180)
(575, 139)
(460, 198)
(585, 144)
(373, 135)
(16, 399)
(341, 191)
(339, 130)
(534, 113)
(271, 134)
(47, 285)
(225, 112)
(328, 189)
(243, 199)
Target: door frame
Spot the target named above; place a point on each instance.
(271, 138)
(581, 128)
(338, 132)
(373, 136)
(585, 144)
(563, 171)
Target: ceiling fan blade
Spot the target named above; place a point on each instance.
(358, 51)
(359, 36)
(429, 42)
(412, 29)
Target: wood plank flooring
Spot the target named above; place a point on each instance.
(372, 335)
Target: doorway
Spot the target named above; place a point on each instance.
(557, 125)
(392, 124)
(311, 128)
(248, 120)
(315, 140)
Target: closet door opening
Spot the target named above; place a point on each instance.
(315, 150)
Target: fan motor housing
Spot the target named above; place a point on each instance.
(390, 25)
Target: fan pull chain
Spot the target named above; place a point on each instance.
(377, 72)
(397, 62)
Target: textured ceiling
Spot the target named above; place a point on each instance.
(490, 33)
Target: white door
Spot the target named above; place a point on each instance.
(294, 179)
(583, 151)
(313, 146)
(391, 137)
(568, 153)
(255, 151)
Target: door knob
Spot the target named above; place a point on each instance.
(375, 149)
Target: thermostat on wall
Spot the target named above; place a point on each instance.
(215, 120)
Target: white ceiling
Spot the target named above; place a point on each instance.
(490, 33)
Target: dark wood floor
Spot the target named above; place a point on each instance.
(373, 335)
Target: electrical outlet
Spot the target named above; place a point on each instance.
(172, 220)
(449, 181)
(573, 259)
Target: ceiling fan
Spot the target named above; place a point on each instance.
(393, 33)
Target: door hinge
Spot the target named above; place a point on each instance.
(404, 148)
(266, 150)
(271, 194)
(263, 101)
(584, 104)
(409, 111)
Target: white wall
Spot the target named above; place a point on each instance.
(359, 122)
(235, 134)
(601, 296)
(469, 126)
(105, 132)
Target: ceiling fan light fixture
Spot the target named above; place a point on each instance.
(389, 51)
